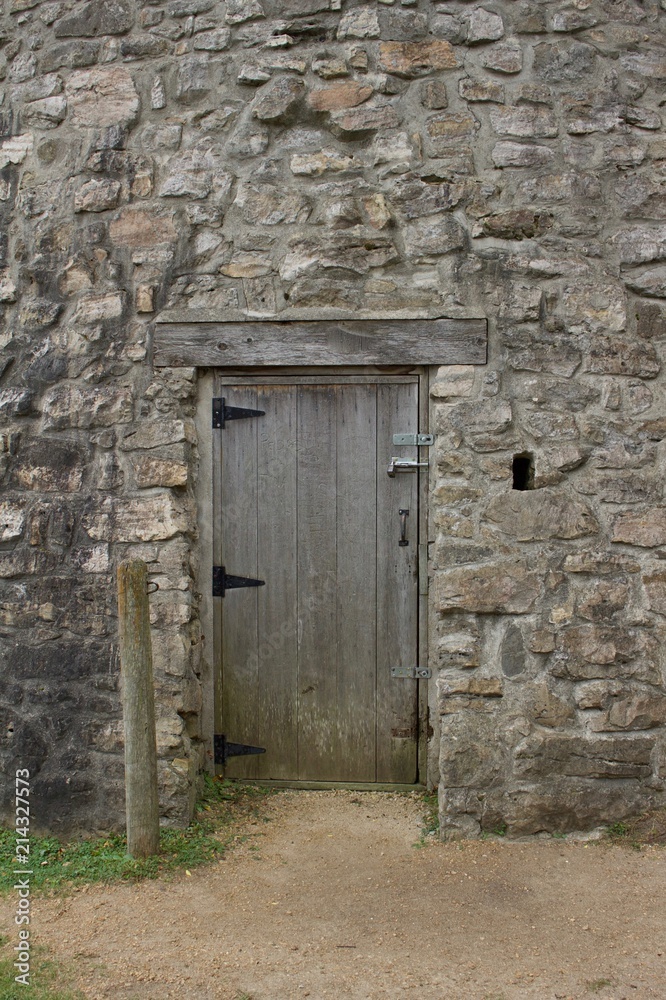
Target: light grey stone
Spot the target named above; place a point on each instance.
(516, 154)
(484, 26)
(651, 282)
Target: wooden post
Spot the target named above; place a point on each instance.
(136, 672)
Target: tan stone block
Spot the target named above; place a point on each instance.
(452, 126)
(481, 90)
(145, 298)
(102, 96)
(453, 381)
(366, 118)
(496, 588)
(140, 519)
(599, 563)
(486, 687)
(315, 164)
(641, 710)
(646, 528)
(451, 493)
(544, 706)
(142, 227)
(410, 59)
(655, 588)
(247, 265)
(377, 210)
(541, 514)
(86, 406)
(155, 433)
(542, 640)
(348, 94)
(150, 471)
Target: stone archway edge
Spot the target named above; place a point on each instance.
(330, 340)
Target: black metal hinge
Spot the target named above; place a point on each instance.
(222, 412)
(222, 749)
(223, 581)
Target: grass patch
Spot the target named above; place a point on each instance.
(57, 865)
(648, 828)
(430, 826)
(594, 985)
(47, 981)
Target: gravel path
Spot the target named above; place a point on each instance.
(330, 898)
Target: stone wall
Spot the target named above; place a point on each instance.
(196, 157)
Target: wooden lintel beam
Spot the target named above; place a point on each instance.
(323, 342)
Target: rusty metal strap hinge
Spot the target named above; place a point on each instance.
(222, 412)
(222, 749)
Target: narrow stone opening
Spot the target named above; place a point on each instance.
(523, 472)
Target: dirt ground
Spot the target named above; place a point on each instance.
(331, 898)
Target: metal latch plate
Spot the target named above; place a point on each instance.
(413, 673)
(417, 440)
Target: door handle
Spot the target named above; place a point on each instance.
(404, 465)
(403, 512)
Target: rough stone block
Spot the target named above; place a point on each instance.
(505, 58)
(496, 588)
(97, 196)
(646, 528)
(278, 99)
(652, 282)
(542, 756)
(619, 356)
(102, 96)
(151, 470)
(348, 94)
(192, 78)
(529, 121)
(516, 154)
(78, 406)
(136, 227)
(95, 18)
(73, 55)
(484, 26)
(481, 90)
(12, 519)
(482, 417)
(98, 308)
(140, 520)
(413, 59)
(598, 308)
(374, 114)
(45, 114)
(536, 515)
(156, 433)
(238, 11)
(433, 236)
(359, 22)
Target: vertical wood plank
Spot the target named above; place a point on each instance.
(238, 521)
(397, 598)
(356, 582)
(277, 651)
(138, 699)
(318, 738)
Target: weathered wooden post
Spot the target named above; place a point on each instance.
(136, 671)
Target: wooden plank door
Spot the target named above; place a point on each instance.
(303, 501)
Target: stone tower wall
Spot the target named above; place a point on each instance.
(203, 158)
